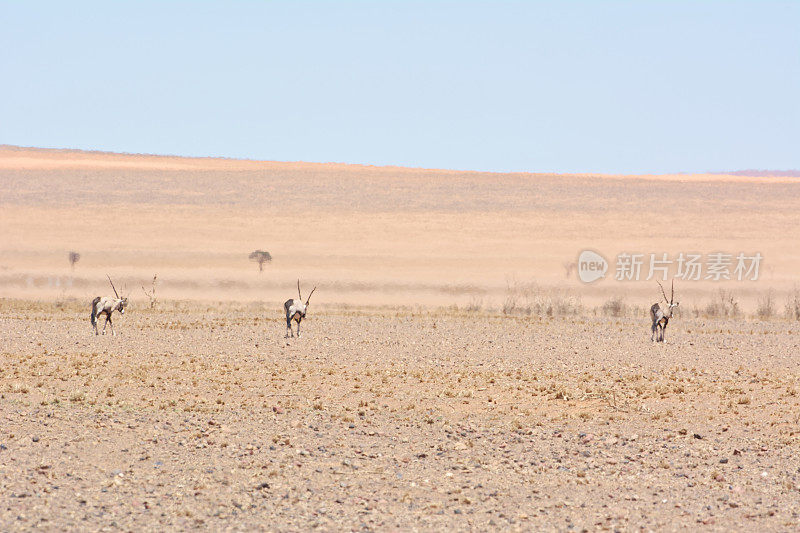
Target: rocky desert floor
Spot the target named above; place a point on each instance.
(203, 416)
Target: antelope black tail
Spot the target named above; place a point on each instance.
(94, 310)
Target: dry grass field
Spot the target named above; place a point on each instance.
(449, 376)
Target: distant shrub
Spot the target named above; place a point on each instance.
(510, 306)
(615, 307)
(151, 294)
(569, 268)
(475, 304)
(766, 306)
(73, 257)
(529, 299)
(724, 305)
(792, 308)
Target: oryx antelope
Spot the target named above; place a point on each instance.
(105, 305)
(660, 316)
(296, 310)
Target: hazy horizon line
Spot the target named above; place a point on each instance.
(740, 172)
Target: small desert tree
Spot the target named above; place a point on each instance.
(74, 257)
(260, 257)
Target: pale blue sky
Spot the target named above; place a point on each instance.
(562, 86)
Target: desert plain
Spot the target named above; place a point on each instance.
(450, 374)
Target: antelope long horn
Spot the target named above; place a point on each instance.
(672, 293)
(112, 286)
(298, 289)
(309, 296)
(662, 291)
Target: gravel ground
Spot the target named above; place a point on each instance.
(204, 416)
